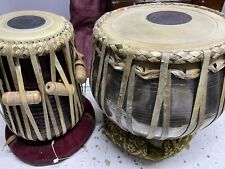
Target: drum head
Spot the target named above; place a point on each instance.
(164, 27)
(30, 25)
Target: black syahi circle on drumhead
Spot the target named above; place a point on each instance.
(26, 22)
(169, 18)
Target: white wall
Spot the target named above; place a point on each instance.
(60, 7)
(223, 8)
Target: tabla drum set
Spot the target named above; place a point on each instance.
(157, 74)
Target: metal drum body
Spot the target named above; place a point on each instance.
(144, 96)
(38, 51)
(159, 90)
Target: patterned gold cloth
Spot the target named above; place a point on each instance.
(141, 147)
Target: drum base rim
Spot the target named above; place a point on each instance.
(42, 154)
(153, 150)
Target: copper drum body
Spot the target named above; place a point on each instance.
(154, 76)
(37, 48)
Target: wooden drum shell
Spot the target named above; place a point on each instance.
(28, 64)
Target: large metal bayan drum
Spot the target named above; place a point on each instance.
(40, 93)
(158, 69)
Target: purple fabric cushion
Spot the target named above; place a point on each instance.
(41, 153)
(84, 13)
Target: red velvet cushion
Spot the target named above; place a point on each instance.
(41, 153)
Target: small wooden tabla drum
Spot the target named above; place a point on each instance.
(158, 69)
(41, 73)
